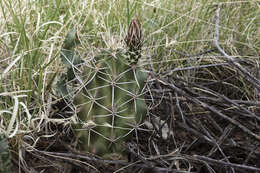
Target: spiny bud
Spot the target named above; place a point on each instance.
(134, 40)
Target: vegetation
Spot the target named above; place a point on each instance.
(33, 33)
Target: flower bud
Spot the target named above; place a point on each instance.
(134, 40)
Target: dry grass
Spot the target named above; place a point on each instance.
(32, 33)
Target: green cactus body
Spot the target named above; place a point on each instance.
(110, 93)
(113, 99)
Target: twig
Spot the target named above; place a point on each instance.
(171, 71)
(222, 163)
(227, 100)
(211, 108)
(231, 60)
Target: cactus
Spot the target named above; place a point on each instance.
(72, 61)
(112, 97)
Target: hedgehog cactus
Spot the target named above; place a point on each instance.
(112, 97)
